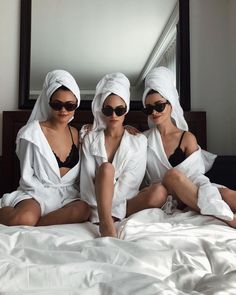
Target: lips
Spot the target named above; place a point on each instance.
(155, 117)
(63, 115)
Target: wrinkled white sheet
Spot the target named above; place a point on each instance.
(184, 253)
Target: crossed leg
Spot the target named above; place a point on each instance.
(153, 196)
(26, 212)
(183, 188)
(74, 212)
(178, 184)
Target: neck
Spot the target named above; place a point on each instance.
(114, 132)
(56, 125)
(166, 128)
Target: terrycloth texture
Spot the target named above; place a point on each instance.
(40, 175)
(116, 83)
(129, 163)
(209, 199)
(161, 80)
(53, 81)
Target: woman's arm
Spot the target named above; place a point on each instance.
(190, 144)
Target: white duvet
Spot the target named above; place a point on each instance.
(183, 253)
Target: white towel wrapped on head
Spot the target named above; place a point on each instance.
(53, 81)
(161, 80)
(116, 83)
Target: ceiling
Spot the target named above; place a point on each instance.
(90, 38)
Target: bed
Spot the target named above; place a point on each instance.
(155, 253)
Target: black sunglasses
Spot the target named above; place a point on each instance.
(158, 107)
(108, 111)
(58, 105)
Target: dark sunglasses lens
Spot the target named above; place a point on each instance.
(70, 106)
(159, 107)
(107, 111)
(57, 106)
(148, 110)
(120, 111)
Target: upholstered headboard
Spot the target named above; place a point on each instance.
(14, 120)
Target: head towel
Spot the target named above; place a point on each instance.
(116, 83)
(161, 80)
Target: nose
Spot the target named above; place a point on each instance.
(113, 114)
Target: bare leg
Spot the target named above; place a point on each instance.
(26, 212)
(229, 196)
(178, 184)
(153, 196)
(104, 188)
(75, 212)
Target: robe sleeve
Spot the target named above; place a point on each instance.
(28, 181)
(87, 174)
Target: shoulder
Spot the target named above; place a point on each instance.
(75, 134)
(189, 143)
(139, 137)
(148, 132)
(28, 130)
(92, 136)
(189, 138)
(136, 143)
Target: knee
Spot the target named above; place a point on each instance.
(106, 169)
(157, 196)
(173, 175)
(81, 211)
(24, 218)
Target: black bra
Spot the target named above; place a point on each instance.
(178, 156)
(72, 159)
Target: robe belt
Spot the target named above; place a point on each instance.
(59, 185)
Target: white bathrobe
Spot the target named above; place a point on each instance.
(209, 198)
(40, 172)
(129, 163)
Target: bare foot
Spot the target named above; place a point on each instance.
(107, 228)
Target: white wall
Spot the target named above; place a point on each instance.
(213, 66)
(212, 42)
(9, 57)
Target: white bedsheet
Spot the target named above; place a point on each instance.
(184, 253)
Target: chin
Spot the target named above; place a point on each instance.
(64, 118)
(157, 120)
(115, 124)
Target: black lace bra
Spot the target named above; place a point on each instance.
(72, 159)
(178, 156)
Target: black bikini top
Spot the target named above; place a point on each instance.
(73, 157)
(178, 156)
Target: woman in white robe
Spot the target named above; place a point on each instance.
(113, 160)
(170, 144)
(47, 148)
